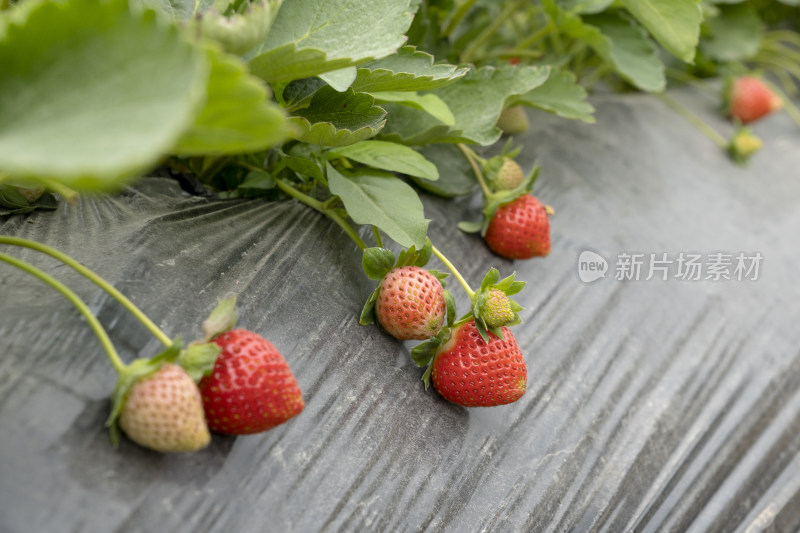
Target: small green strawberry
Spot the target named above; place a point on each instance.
(743, 145)
(509, 176)
(513, 120)
(496, 309)
(163, 411)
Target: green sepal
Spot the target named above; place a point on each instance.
(490, 278)
(505, 283)
(426, 376)
(221, 319)
(424, 255)
(368, 313)
(441, 276)
(470, 227)
(481, 327)
(498, 332)
(198, 359)
(132, 373)
(377, 262)
(515, 306)
(424, 354)
(413, 257)
(515, 287)
(11, 198)
(450, 302)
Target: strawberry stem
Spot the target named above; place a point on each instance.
(470, 155)
(319, 206)
(94, 278)
(455, 272)
(378, 238)
(696, 121)
(98, 329)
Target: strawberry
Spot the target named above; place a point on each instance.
(496, 309)
(519, 229)
(410, 303)
(468, 371)
(163, 411)
(513, 120)
(509, 176)
(749, 99)
(251, 388)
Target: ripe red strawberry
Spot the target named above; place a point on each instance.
(519, 229)
(163, 411)
(470, 372)
(251, 388)
(410, 303)
(750, 99)
(509, 176)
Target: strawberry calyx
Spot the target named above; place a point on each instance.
(492, 307)
(200, 355)
(129, 375)
(377, 262)
(497, 199)
(425, 353)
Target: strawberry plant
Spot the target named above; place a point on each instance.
(245, 385)
(350, 108)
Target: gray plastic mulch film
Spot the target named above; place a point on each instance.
(651, 405)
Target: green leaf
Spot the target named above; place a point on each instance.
(339, 118)
(476, 102)
(470, 227)
(455, 175)
(583, 6)
(407, 70)
(305, 167)
(377, 262)
(238, 115)
(429, 103)
(380, 199)
(733, 35)
(94, 95)
(340, 79)
(560, 95)
(626, 46)
(310, 37)
(258, 179)
(422, 354)
(674, 23)
(516, 287)
(389, 156)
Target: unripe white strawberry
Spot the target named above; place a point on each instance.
(410, 303)
(163, 411)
